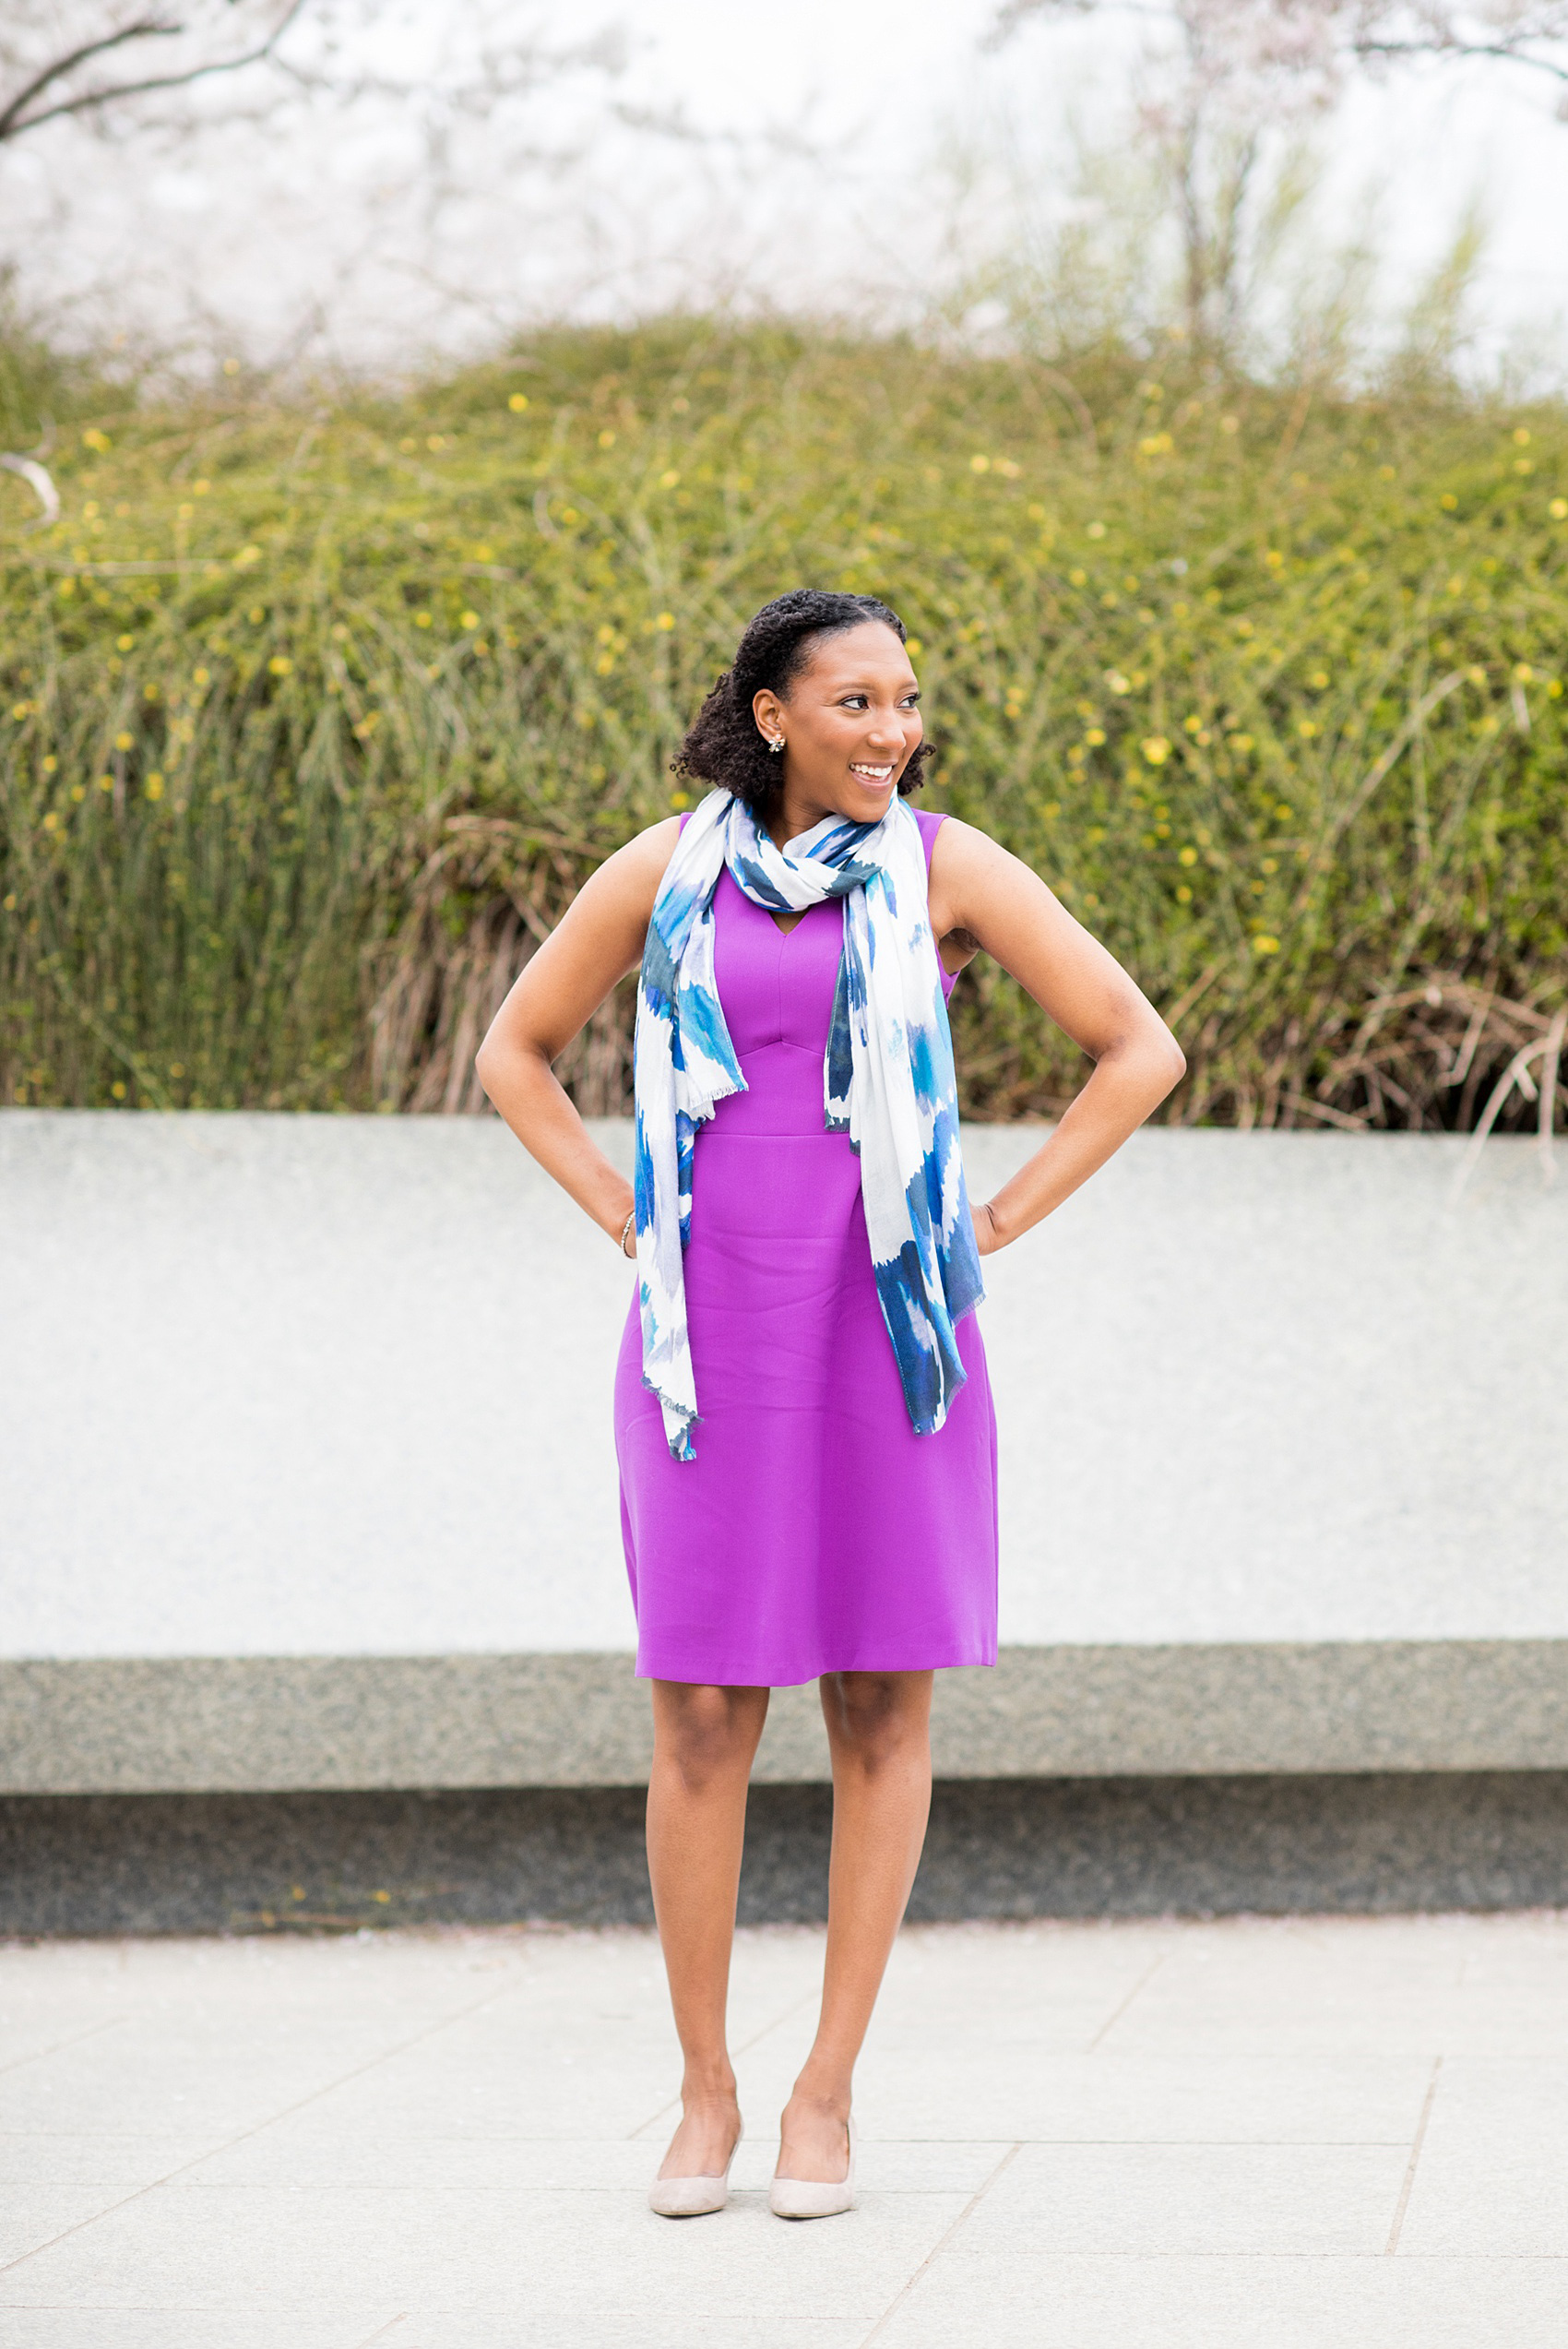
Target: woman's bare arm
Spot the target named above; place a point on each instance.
(979, 887)
(598, 939)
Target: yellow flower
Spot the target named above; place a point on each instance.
(1557, 509)
(201, 488)
(118, 1090)
(1448, 501)
(246, 557)
(1522, 672)
(1096, 529)
(1263, 944)
(607, 440)
(517, 403)
(467, 619)
(422, 620)
(1078, 578)
(435, 440)
(980, 464)
(670, 480)
(123, 742)
(94, 439)
(1521, 436)
(914, 648)
(1156, 749)
(201, 676)
(1117, 682)
(106, 783)
(154, 785)
(281, 665)
(1306, 728)
(1183, 895)
(665, 621)
(1187, 856)
(1094, 737)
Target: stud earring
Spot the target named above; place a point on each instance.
(776, 742)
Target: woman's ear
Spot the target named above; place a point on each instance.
(768, 711)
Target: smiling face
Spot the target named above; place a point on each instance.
(849, 720)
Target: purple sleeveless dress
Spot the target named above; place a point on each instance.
(815, 1532)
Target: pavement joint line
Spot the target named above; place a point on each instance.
(382, 2331)
(60, 2045)
(8, 2267)
(744, 2048)
(1428, 2100)
(941, 2245)
(1112, 2019)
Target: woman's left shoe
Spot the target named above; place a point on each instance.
(811, 2198)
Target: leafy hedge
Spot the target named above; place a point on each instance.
(315, 713)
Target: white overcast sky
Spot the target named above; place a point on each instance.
(819, 177)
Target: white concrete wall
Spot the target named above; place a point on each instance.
(276, 1386)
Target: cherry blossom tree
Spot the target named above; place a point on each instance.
(1225, 80)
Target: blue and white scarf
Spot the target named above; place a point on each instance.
(887, 1082)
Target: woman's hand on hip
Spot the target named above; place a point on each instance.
(988, 1239)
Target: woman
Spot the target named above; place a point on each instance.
(802, 1418)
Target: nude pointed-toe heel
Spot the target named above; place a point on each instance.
(692, 2198)
(811, 2198)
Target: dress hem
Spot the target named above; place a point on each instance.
(732, 1678)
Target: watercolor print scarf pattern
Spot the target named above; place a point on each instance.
(887, 1082)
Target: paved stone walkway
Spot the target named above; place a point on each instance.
(1183, 2135)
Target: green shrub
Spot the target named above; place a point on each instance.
(317, 712)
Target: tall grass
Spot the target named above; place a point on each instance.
(317, 712)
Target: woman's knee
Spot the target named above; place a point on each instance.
(707, 1733)
(878, 1717)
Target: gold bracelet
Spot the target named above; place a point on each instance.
(627, 1227)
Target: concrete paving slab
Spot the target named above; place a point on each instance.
(34, 2216)
(34, 2158)
(1493, 2176)
(1008, 2091)
(174, 2328)
(1016, 2300)
(442, 2139)
(1149, 2201)
(485, 2250)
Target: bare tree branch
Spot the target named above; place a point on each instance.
(1504, 50)
(16, 119)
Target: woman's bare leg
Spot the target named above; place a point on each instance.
(879, 1731)
(704, 1740)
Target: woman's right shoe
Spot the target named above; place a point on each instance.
(811, 2198)
(693, 2198)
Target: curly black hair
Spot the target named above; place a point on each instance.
(725, 744)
